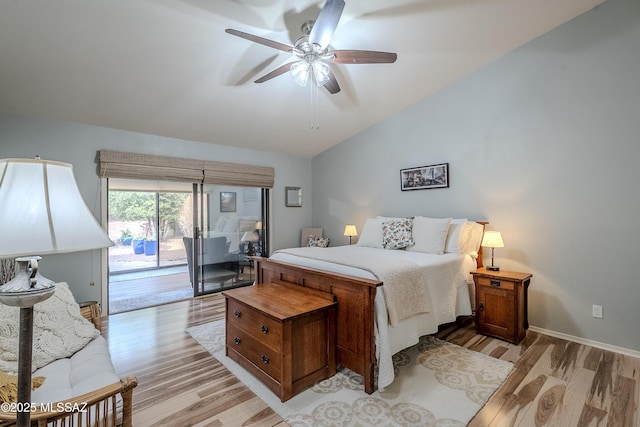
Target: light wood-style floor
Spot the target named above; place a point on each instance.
(555, 382)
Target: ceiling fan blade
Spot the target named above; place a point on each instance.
(362, 57)
(327, 22)
(332, 85)
(275, 73)
(261, 40)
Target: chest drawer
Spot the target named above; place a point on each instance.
(496, 283)
(262, 328)
(283, 334)
(265, 358)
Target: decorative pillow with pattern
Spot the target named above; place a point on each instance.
(319, 242)
(397, 233)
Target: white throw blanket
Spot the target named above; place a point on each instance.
(403, 281)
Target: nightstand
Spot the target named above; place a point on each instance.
(501, 304)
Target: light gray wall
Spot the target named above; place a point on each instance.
(78, 145)
(543, 143)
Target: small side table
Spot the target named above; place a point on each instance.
(501, 304)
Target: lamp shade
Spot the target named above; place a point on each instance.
(42, 211)
(300, 72)
(492, 239)
(350, 230)
(249, 236)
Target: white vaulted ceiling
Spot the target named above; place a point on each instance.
(167, 67)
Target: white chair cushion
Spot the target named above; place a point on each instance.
(87, 370)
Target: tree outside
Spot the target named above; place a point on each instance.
(141, 206)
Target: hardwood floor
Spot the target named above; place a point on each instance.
(555, 382)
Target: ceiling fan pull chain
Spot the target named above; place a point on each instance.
(317, 96)
(314, 113)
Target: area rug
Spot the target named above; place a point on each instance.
(437, 383)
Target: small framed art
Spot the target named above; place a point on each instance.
(425, 177)
(293, 197)
(227, 201)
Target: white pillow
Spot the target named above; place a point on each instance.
(429, 235)
(59, 330)
(371, 235)
(231, 226)
(220, 223)
(456, 236)
(474, 237)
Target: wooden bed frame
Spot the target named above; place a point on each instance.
(355, 339)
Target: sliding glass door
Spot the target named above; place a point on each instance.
(146, 220)
(228, 229)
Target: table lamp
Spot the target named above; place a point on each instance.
(492, 239)
(41, 212)
(250, 237)
(350, 230)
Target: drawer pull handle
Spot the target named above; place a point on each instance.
(264, 329)
(265, 359)
(236, 313)
(495, 283)
(236, 340)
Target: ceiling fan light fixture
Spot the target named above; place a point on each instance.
(321, 72)
(300, 72)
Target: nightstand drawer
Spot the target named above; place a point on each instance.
(266, 359)
(496, 283)
(263, 328)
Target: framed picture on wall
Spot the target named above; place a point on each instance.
(425, 177)
(227, 201)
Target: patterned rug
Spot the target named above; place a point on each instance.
(437, 383)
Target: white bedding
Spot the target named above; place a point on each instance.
(447, 278)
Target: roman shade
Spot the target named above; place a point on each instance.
(238, 174)
(120, 164)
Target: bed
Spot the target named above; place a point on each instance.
(404, 278)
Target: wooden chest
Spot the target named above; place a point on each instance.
(283, 334)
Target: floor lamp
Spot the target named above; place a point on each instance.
(41, 212)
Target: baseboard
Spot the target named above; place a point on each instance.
(596, 344)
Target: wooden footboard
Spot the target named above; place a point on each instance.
(355, 316)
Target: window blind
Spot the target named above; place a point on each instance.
(120, 164)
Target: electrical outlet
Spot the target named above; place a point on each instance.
(597, 311)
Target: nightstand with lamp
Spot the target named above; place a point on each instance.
(501, 297)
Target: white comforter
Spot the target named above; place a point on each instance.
(446, 278)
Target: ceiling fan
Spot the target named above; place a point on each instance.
(312, 51)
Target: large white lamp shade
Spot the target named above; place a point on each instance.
(43, 212)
